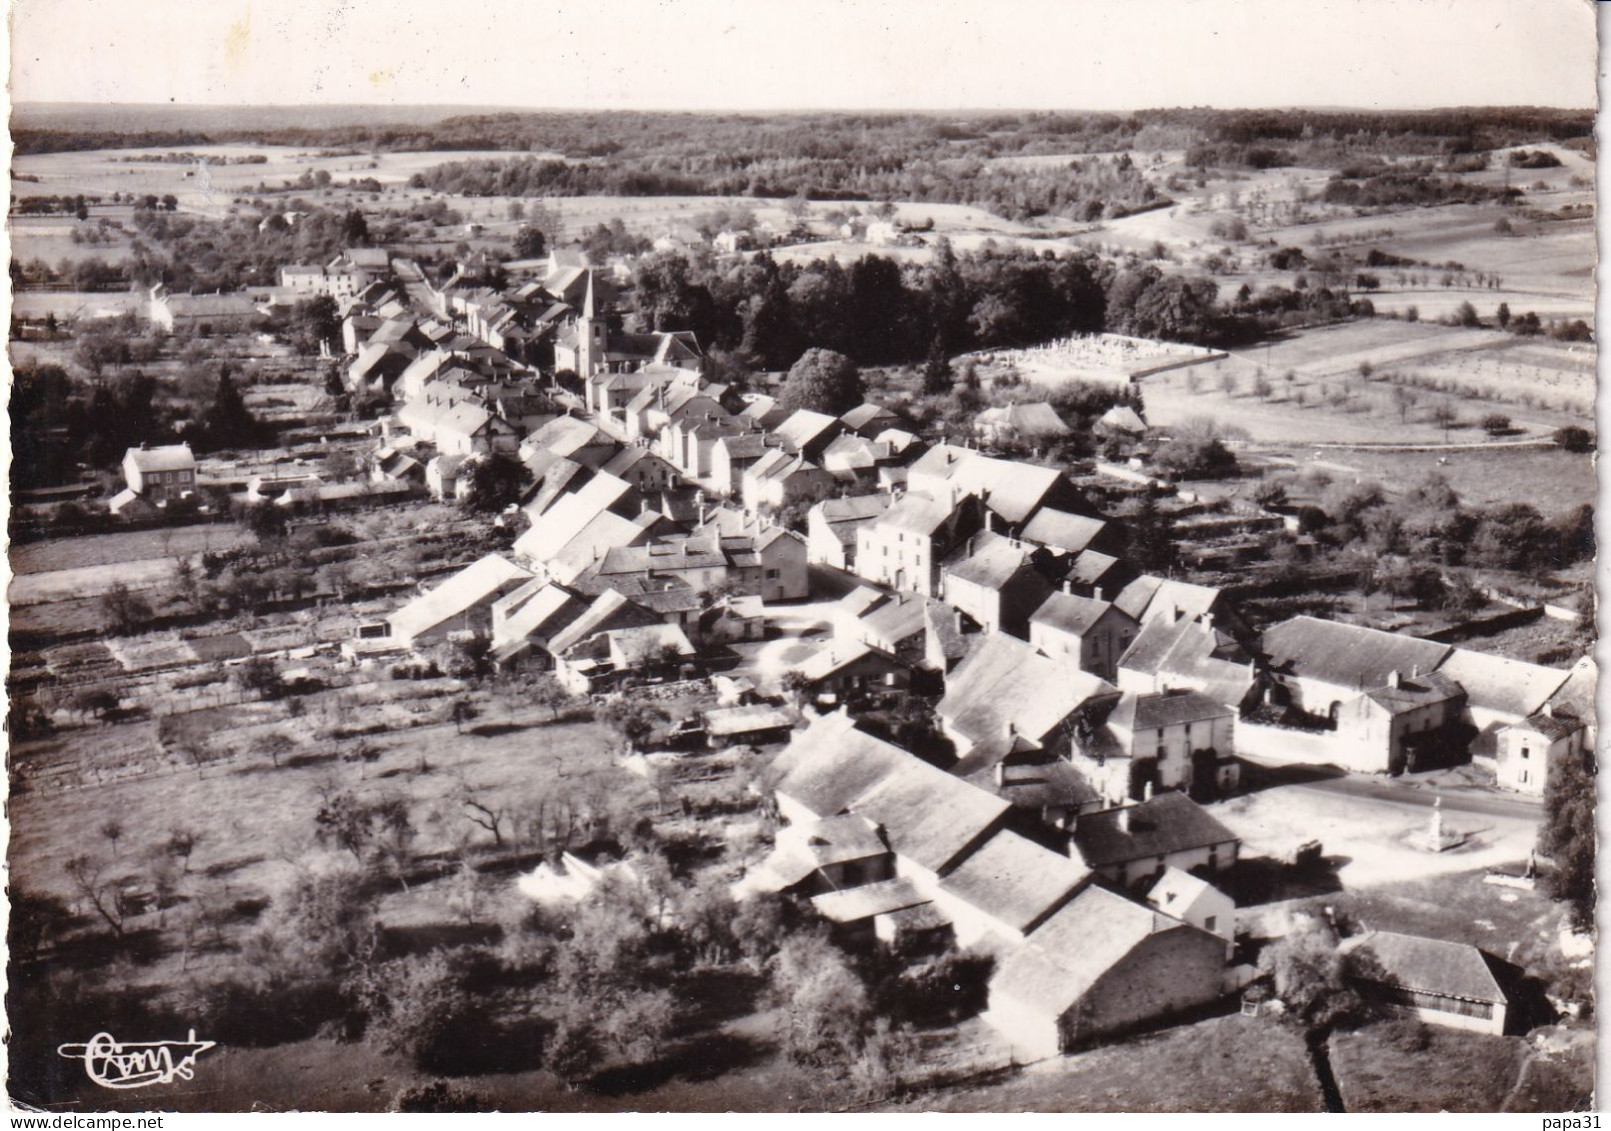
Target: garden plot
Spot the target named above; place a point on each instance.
(90, 581)
(151, 653)
(287, 401)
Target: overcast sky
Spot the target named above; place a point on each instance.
(781, 54)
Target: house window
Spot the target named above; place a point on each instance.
(1524, 753)
(772, 574)
(1521, 777)
(1209, 921)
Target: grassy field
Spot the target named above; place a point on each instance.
(124, 546)
(1402, 1066)
(1224, 1064)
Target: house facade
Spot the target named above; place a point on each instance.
(160, 474)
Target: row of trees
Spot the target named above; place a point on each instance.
(878, 312)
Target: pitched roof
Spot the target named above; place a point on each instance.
(1091, 568)
(1038, 785)
(1495, 683)
(726, 721)
(1413, 692)
(928, 816)
(897, 619)
(1035, 418)
(804, 427)
(167, 457)
(1162, 826)
(609, 610)
(1576, 695)
(991, 565)
(1060, 530)
(867, 413)
(566, 435)
(1005, 680)
(852, 905)
(475, 583)
(603, 533)
(1147, 597)
(569, 515)
(1432, 966)
(646, 643)
(1175, 888)
(916, 513)
(537, 610)
(1165, 709)
(1074, 615)
(1066, 956)
(1015, 880)
(1552, 727)
(852, 511)
(1122, 418)
(1011, 489)
(1345, 654)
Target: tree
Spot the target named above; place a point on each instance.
(825, 1006)
(937, 378)
(1151, 537)
(485, 815)
(1444, 415)
(635, 721)
(124, 611)
(461, 712)
(344, 822)
(1310, 976)
(495, 482)
(227, 422)
(1496, 424)
(315, 321)
(530, 242)
(276, 744)
(267, 523)
(1466, 315)
(1575, 439)
(572, 1051)
(1502, 315)
(354, 228)
(823, 381)
(260, 677)
(97, 701)
(544, 690)
(88, 878)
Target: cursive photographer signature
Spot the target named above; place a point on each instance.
(136, 1064)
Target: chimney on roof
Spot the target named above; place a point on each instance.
(1394, 679)
(1208, 621)
(144, 447)
(1146, 792)
(1097, 593)
(1124, 820)
(1001, 772)
(1549, 710)
(1068, 586)
(1178, 613)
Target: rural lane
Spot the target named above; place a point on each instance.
(1416, 797)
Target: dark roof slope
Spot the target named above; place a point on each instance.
(1431, 965)
(1345, 654)
(1168, 823)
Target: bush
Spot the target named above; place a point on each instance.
(1496, 424)
(438, 1097)
(1575, 439)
